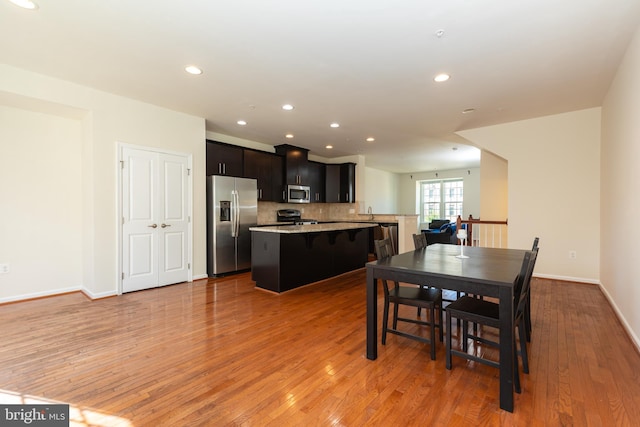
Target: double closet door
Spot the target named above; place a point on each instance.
(155, 219)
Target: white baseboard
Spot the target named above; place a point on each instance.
(42, 294)
(568, 278)
(99, 295)
(200, 277)
(634, 338)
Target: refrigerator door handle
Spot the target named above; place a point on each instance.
(235, 214)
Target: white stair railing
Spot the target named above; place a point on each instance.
(488, 234)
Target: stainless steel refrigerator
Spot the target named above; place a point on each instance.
(232, 207)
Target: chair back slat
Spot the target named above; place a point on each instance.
(517, 291)
(419, 240)
(384, 250)
(524, 280)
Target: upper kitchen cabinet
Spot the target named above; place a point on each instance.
(267, 169)
(341, 183)
(317, 181)
(224, 159)
(296, 164)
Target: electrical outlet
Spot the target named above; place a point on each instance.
(4, 268)
(352, 211)
(572, 255)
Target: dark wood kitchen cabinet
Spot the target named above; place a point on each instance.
(266, 168)
(296, 164)
(224, 159)
(317, 181)
(341, 183)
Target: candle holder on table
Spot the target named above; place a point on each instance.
(462, 235)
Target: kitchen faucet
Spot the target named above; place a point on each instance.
(370, 212)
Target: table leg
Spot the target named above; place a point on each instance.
(506, 348)
(372, 316)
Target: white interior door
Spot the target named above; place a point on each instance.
(173, 227)
(154, 219)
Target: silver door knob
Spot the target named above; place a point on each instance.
(165, 225)
(153, 225)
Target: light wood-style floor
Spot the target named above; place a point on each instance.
(220, 352)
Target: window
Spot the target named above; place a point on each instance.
(441, 199)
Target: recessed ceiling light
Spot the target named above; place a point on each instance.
(288, 107)
(370, 139)
(192, 69)
(241, 122)
(329, 147)
(442, 78)
(289, 135)
(439, 34)
(454, 148)
(335, 125)
(25, 4)
(468, 110)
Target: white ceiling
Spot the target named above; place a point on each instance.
(367, 64)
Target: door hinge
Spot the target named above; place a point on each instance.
(188, 171)
(189, 266)
(122, 220)
(189, 218)
(121, 164)
(122, 276)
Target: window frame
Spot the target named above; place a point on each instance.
(427, 215)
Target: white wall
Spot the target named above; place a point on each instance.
(41, 213)
(108, 119)
(494, 203)
(620, 206)
(554, 181)
(494, 187)
(381, 192)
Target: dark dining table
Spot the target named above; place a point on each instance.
(490, 272)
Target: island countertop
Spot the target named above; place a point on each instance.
(312, 228)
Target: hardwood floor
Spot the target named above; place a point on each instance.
(220, 352)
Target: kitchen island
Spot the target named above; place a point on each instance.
(289, 256)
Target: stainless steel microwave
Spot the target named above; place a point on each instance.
(298, 193)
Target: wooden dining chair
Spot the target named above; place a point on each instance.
(484, 312)
(415, 296)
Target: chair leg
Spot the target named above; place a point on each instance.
(385, 320)
(465, 336)
(448, 342)
(395, 316)
(432, 335)
(516, 369)
(441, 317)
(527, 317)
(522, 331)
